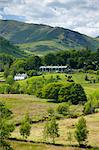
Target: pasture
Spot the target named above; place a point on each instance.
(20, 104)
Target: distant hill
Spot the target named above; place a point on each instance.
(7, 48)
(40, 38)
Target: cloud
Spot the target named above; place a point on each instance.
(78, 15)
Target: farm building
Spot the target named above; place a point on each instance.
(20, 76)
(54, 68)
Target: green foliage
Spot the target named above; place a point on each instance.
(51, 112)
(63, 109)
(88, 108)
(77, 94)
(55, 90)
(64, 92)
(81, 131)
(10, 80)
(5, 88)
(6, 71)
(50, 91)
(51, 129)
(73, 93)
(6, 127)
(33, 63)
(25, 126)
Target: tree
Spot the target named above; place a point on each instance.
(50, 59)
(81, 131)
(51, 129)
(6, 127)
(77, 94)
(25, 126)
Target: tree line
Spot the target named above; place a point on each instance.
(76, 59)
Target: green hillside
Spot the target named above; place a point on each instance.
(7, 48)
(40, 38)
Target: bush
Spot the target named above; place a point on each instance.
(60, 92)
(88, 108)
(64, 93)
(10, 80)
(50, 91)
(81, 131)
(63, 109)
(5, 88)
(73, 93)
(77, 94)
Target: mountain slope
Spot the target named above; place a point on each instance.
(42, 38)
(7, 48)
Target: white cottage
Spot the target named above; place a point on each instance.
(20, 76)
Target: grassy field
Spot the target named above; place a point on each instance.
(22, 104)
(30, 146)
(66, 125)
(37, 108)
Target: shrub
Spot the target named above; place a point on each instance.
(10, 80)
(77, 94)
(60, 92)
(51, 129)
(81, 131)
(5, 88)
(50, 91)
(63, 109)
(25, 126)
(88, 108)
(64, 93)
(73, 93)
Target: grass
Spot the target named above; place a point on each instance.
(31, 146)
(21, 104)
(37, 108)
(66, 125)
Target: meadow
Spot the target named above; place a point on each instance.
(37, 108)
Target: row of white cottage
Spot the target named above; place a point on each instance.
(43, 69)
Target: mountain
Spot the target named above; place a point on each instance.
(41, 39)
(7, 48)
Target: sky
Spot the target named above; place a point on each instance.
(77, 15)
